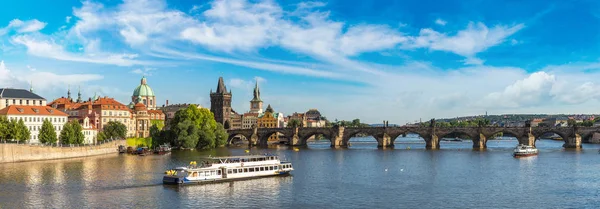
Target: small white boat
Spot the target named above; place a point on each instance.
(524, 151)
(219, 169)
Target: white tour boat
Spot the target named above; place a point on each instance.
(524, 151)
(218, 169)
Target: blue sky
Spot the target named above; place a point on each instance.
(375, 60)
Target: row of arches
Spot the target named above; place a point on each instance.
(406, 137)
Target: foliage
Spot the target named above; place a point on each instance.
(462, 124)
(23, 132)
(47, 133)
(196, 127)
(587, 123)
(67, 134)
(115, 130)
(78, 137)
(139, 142)
(160, 124)
(72, 133)
(350, 124)
(101, 136)
(4, 126)
(294, 123)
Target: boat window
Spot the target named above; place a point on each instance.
(235, 171)
(245, 170)
(275, 167)
(206, 173)
(219, 172)
(240, 170)
(271, 168)
(251, 169)
(262, 168)
(229, 171)
(212, 173)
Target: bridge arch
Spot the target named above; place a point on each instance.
(353, 133)
(265, 135)
(539, 134)
(305, 135)
(232, 136)
(455, 132)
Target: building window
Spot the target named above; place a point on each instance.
(14, 102)
(20, 101)
(6, 102)
(27, 101)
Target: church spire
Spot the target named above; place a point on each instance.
(31, 87)
(79, 95)
(69, 92)
(256, 92)
(221, 89)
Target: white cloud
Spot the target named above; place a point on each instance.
(42, 81)
(68, 19)
(440, 22)
(143, 71)
(245, 84)
(530, 91)
(20, 26)
(477, 37)
(47, 48)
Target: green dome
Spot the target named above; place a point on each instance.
(143, 89)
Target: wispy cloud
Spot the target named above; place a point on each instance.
(440, 22)
(23, 26)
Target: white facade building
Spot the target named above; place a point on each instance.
(34, 116)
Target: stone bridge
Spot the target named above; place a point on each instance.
(385, 136)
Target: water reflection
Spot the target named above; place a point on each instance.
(358, 177)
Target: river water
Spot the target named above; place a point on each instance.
(361, 176)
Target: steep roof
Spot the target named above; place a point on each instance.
(221, 89)
(256, 92)
(18, 93)
(31, 110)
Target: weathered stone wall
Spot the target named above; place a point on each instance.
(22, 152)
(595, 138)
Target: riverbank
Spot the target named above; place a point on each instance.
(11, 153)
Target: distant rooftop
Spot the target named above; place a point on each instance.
(18, 93)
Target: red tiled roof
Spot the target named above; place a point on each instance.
(104, 103)
(250, 114)
(31, 110)
(155, 112)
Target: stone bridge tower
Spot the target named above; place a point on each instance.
(220, 104)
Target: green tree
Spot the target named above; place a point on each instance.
(47, 133)
(101, 136)
(24, 133)
(67, 134)
(220, 136)
(4, 128)
(294, 123)
(115, 130)
(193, 127)
(78, 137)
(187, 134)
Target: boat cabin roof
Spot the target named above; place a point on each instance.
(241, 157)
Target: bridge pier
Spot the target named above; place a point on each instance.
(528, 139)
(573, 142)
(295, 140)
(432, 142)
(337, 138)
(253, 141)
(480, 142)
(384, 141)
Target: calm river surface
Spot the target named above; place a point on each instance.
(358, 177)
